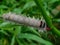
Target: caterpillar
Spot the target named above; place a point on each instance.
(26, 20)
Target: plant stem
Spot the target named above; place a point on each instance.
(46, 17)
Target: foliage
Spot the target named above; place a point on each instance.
(15, 34)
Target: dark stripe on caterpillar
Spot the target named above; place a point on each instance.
(43, 25)
(40, 24)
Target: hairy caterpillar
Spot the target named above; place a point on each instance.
(41, 24)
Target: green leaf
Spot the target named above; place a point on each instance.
(13, 40)
(52, 1)
(4, 32)
(29, 5)
(34, 37)
(17, 10)
(56, 20)
(17, 30)
(19, 41)
(33, 30)
(3, 6)
(4, 24)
